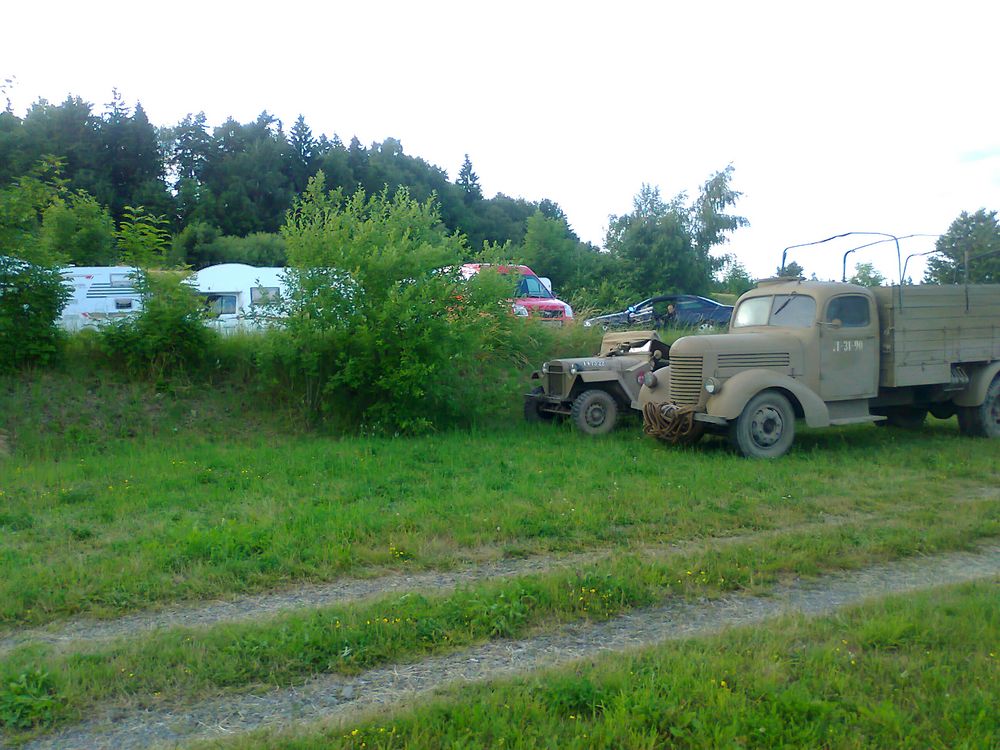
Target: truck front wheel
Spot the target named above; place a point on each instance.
(595, 412)
(982, 420)
(766, 428)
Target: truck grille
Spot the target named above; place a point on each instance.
(553, 313)
(554, 381)
(685, 379)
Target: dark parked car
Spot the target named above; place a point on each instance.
(668, 311)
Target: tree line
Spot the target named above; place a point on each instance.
(70, 177)
(222, 193)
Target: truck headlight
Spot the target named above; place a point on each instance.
(649, 380)
(574, 369)
(712, 385)
(545, 368)
(521, 311)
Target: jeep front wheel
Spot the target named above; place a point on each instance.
(595, 412)
(765, 428)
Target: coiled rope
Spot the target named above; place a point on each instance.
(671, 422)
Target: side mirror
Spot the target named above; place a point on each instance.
(547, 283)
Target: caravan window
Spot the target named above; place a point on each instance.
(121, 280)
(264, 295)
(220, 304)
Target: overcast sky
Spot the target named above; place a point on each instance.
(847, 116)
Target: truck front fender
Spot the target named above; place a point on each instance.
(979, 381)
(728, 403)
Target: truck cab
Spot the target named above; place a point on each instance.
(831, 354)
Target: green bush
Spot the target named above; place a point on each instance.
(31, 300)
(201, 244)
(381, 331)
(167, 336)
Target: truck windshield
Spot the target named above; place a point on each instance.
(530, 286)
(784, 310)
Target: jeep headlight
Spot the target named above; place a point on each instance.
(545, 368)
(521, 311)
(712, 385)
(574, 368)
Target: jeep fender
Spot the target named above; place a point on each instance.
(739, 389)
(604, 380)
(979, 382)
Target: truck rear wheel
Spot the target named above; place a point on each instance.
(595, 412)
(766, 428)
(982, 420)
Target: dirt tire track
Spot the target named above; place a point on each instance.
(339, 699)
(78, 632)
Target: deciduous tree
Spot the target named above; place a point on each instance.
(865, 274)
(973, 237)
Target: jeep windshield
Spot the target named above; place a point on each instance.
(779, 310)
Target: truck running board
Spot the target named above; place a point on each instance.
(856, 420)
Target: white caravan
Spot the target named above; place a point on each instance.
(100, 293)
(236, 294)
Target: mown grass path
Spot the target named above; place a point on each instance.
(78, 632)
(342, 698)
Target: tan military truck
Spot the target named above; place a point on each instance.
(593, 390)
(833, 354)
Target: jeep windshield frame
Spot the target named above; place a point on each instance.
(776, 311)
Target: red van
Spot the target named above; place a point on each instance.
(532, 297)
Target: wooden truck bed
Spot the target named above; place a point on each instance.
(933, 327)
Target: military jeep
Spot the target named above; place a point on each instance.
(592, 390)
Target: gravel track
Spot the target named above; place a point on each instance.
(77, 633)
(336, 698)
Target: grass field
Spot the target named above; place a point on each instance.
(134, 501)
(164, 519)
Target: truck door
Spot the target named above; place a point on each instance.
(849, 353)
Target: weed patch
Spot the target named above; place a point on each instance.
(27, 699)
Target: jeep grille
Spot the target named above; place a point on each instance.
(685, 379)
(554, 383)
